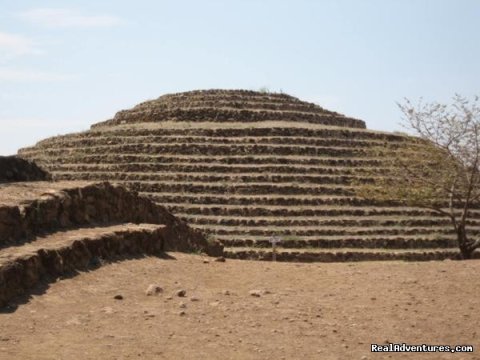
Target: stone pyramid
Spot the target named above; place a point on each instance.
(244, 166)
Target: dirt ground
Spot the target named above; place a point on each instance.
(303, 311)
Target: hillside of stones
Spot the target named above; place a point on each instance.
(244, 166)
(53, 229)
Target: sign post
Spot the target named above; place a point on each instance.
(274, 240)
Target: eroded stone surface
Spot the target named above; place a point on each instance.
(14, 169)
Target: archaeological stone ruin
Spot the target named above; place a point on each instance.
(53, 229)
(243, 167)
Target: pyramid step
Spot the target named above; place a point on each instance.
(204, 150)
(238, 129)
(228, 95)
(340, 232)
(247, 104)
(235, 96)
(363, 221)
(250, 105)
(182, 167)
(21, 267)
(235, 129)
(300, 211)
(220, 113)
(186, 139)
(344, 254)
(219, 160)
(283, 130)
(253, 106)
(212, 177)
(238, 188)
(327, 242)
(262, 200)
(227, 114)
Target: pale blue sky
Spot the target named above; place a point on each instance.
(65, 65)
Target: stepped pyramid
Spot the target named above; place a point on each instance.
(244, 166)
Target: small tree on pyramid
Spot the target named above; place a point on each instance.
(439, 171)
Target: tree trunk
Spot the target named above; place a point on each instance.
(465, 246)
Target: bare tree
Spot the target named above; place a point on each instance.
(439, 169)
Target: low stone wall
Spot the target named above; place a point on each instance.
(345, 256)
(15, 169)
(227, 115)
(23, 272)
(99, 203)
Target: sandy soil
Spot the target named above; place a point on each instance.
(304, 311)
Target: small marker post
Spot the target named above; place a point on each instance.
(274, 241)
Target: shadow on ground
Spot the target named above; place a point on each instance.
(44, 284)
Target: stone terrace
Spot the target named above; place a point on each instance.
(51, 229)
